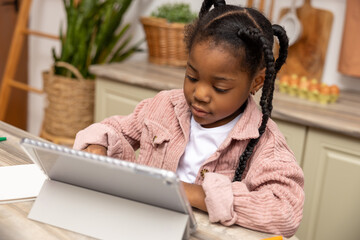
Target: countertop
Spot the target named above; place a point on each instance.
(14, 223)
(341, 117)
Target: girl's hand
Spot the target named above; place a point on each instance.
(195, 195)
(96, 149)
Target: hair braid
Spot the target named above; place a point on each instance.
(219, 3)
(206, 5)
(254, 35)
(270, 74)
(280, 33)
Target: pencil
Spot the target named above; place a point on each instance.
(274, 238)
(2, 139)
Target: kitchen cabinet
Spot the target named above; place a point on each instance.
(295, 137)
(331, 166)
(116, 98)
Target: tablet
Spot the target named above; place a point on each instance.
(153, 186)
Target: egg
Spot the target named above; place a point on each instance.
(284, 83)
(314, 88)
(303, 87)
(334, 93)
(324, 94)
(294, 85)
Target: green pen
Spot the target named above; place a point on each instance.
(2, 139)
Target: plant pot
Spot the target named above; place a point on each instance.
(70, 104)
(165, 41)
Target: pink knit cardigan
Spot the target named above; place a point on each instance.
(270, 196)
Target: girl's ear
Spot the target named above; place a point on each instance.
(258, 81)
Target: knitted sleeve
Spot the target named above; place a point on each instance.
(270, 198)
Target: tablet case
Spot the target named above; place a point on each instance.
(92, 195)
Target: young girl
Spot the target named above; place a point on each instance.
(231, 157)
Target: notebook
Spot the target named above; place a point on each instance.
(20, 183)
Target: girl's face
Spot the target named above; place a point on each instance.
(214, 86)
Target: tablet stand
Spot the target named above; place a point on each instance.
(105, 216)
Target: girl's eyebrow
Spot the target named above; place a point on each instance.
(223, 79)
(191, 67)
(216, 78)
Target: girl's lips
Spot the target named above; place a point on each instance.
(199, 112)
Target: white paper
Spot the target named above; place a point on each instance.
(20, 182)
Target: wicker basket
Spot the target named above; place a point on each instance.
(70, 103)
(165, 41)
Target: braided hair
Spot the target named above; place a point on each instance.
(250, 37)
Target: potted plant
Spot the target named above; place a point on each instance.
(94, 35)
(164, 31)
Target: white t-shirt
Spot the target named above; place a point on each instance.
(202, 144)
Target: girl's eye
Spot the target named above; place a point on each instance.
(220, 90)
(191, 78)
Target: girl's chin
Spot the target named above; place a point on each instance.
(200, 120)
(203, 122)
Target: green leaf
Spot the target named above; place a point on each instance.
(104, 54)
(175, 12)
(93, 31)
(120, 56)
(111, 21)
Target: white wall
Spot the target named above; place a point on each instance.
(46, 16)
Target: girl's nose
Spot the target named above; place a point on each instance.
(202, 93)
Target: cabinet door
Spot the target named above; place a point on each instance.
(332, 187)
(116, 98)
(295, 137)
